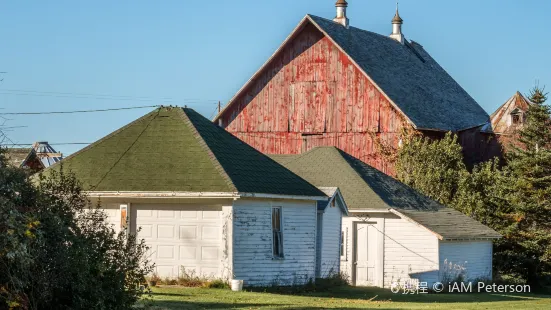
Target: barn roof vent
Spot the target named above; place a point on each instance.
(397, 22)
(341, 18)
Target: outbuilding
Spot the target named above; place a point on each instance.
(393, 234)
(207, 203)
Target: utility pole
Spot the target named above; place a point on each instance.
(218, 106)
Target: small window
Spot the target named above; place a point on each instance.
(516, 119)
(343, 245)
(277, 245)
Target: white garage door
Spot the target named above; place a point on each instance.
(181, 236)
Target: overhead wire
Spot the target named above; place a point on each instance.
(23, 92)
(79, 111)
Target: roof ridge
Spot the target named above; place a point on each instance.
(212, 156)
(94, 144)
(364, 30)
(341, 157)
(312, 150)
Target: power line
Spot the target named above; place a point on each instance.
(23, 92)
(65, 143)
(79, 111)
(11, 127)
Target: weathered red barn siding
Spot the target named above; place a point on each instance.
(311, 95)
(479, 146)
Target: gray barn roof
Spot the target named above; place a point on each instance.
(410, 77)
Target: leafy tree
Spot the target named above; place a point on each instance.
(515, 201)
(434, 167)
(58, 252)
(481, 195)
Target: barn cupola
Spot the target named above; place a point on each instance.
(341, 18)
(397, 22)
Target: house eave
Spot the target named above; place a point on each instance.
(407, 218)
(174, 194)
(472, 239)
(350, 211)
(160, 194)
(280, 196)
(439, 236)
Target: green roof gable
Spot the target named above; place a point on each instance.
(177, 149)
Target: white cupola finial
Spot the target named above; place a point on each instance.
(397, 22)
(341, 18)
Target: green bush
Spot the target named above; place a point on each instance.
(216, 284)
(58, 252)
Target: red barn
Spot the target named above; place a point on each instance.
(331, 84)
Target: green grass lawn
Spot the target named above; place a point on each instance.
(337, 298)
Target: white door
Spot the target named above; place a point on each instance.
(181, 236)
(365, 254)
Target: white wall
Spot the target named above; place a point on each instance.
(475, 257)
(227, 243)
(411, 252)
(253, 261)
(330, 241)
(407, 251)
(113, 215)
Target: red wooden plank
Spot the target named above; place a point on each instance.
(311, 87)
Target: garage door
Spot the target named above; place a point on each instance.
(181, 236)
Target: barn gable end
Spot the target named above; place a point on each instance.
(311, 94)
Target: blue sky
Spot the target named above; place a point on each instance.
(199, 52)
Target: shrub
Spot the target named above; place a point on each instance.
(333, 280)
(58, 250)
(216, 284)
(154, 279)
(189, 278)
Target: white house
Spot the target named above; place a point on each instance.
(205, 202)
(393, 234)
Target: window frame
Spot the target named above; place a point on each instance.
(343, 244)
(277, 234)
(516, 119)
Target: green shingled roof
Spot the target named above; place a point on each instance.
(364, 187)
(177, 149)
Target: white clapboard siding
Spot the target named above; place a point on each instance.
(253, 261)
(112, 210)
(410, 252)
(474, 257)
(331, 237)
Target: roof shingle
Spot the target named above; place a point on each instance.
(364, 187)
(177, 149)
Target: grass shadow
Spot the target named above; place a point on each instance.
(380, 294)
